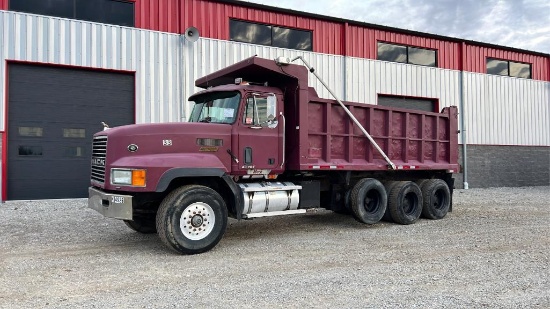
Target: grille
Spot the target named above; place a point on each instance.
(99, 154)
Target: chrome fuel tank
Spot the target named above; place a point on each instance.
(269, 197)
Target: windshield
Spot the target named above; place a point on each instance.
(216, 107)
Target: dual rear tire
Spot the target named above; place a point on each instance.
(404, 202)
(407, 200)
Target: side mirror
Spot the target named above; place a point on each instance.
(272, 124)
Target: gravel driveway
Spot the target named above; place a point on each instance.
(491, 251)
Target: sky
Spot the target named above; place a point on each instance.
(523, 24)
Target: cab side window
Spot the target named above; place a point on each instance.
(260, 111)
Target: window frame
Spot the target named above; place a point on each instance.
(271, 33)
(407, 47)
(21, 149)
(508, 62)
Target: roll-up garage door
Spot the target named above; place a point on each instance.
(426, 105)
(53, 113)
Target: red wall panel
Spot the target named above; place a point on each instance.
(476, 57)
(362, 43)
(160, 15)
(3, 4)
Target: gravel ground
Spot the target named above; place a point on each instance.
(491, 251)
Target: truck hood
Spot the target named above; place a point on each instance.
(201, 139)
(147, 129)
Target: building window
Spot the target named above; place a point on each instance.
(508, 68)
(30, 150)
(116, 12)
(275, 36)
(72, 152)
(31, 131)
(406, 54)
(423, 104)
(74, 133)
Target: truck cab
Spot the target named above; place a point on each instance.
(234, 133)
(255, 114)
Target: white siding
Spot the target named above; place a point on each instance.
(368, 78)
(153, 56)
(507, 110)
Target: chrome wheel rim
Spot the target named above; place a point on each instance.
(197, 221)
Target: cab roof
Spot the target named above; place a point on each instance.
(256, 70)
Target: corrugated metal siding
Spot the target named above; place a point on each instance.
(507, 110)
(368, 78)
(208, 55)
(49, 40)
(212, 20)
(476, 60)
(160, 15)
(362, 43)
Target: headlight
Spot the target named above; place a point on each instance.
(127, 177)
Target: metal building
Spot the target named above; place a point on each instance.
(70, 65)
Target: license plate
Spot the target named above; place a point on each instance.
(117, 199)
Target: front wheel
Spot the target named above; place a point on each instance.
(192, 219)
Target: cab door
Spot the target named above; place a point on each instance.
(260, 135)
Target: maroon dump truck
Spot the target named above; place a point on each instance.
(260, 142)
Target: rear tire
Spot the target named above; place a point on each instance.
(405, 202)
(345, 207)
(437, 199)
(388, 186)
(192, 219)
(143, 225)
(368, 200)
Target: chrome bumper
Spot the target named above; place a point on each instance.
(110, 205)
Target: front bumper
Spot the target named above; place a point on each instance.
(110, 205)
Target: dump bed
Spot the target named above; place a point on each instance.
(320, 135)
(411, 139)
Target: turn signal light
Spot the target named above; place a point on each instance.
(138, 178)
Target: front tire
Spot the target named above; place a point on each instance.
(192, 219)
